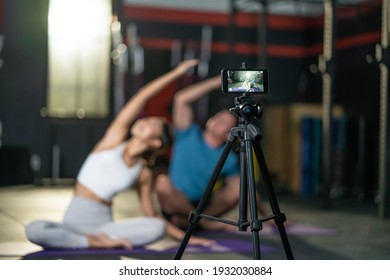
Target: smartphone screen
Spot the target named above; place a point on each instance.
(252, 81)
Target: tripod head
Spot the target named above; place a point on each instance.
(245, 107)
(246, 110)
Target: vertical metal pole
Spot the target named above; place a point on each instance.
(327, 68)
(55, 165)
(1, 132)
(262, 35)
(119, 57)
(203, 71)
(382, 56)
(231, 28)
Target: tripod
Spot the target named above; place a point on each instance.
(245, 109)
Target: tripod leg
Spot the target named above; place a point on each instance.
(280, 218)
(195, 216)
(243, 204)
(256, 224)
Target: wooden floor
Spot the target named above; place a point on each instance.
(349, 230)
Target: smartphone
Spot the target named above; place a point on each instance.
(252, 81)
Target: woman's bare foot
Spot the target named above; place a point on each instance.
(102, 241)
(194, 240)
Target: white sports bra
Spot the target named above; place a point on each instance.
(105, 173)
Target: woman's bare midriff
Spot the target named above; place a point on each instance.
(81, 191)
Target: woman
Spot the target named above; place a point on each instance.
(115, 164)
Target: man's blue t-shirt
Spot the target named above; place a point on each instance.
(193, 162)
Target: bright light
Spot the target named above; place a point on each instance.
(79, 37)
(79, 19)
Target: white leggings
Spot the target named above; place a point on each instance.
(85, 217)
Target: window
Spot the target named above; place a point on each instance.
(79, 58)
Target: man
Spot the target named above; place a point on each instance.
(194, 156)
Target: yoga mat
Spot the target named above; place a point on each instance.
(226, 242)
(165, 249)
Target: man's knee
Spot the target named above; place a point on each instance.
(225, 199)
(234, 198)
(230, 195)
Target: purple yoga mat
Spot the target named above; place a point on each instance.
(233, 245)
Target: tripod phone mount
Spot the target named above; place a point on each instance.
(249, 136)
